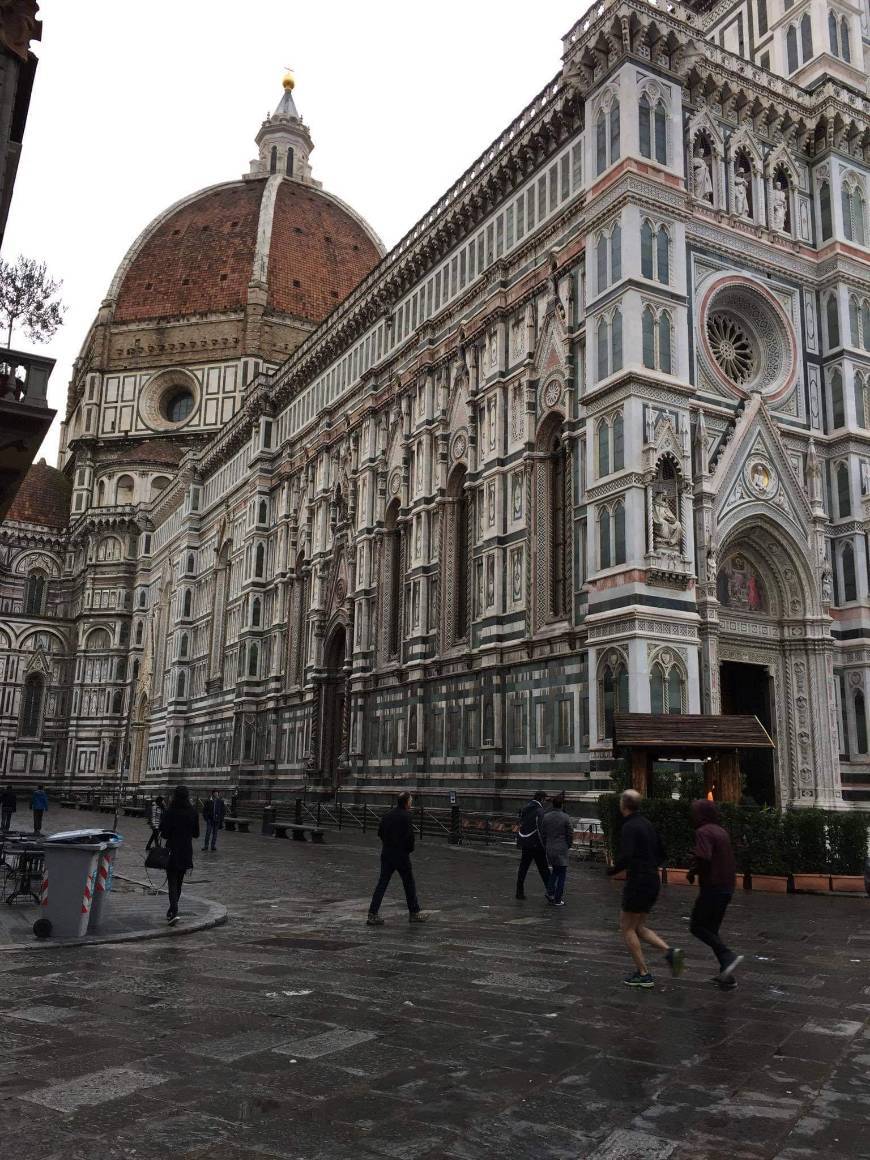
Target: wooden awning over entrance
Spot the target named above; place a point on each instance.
(715, 739)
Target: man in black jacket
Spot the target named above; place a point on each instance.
(8, 806)
(529, 842)
(213, 813)
(641, 854)
(396, 832)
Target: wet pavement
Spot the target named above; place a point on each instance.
(500, 1028)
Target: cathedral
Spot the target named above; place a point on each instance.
(593, 437)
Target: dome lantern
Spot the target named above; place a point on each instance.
(283, 141)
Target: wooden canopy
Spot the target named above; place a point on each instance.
(716, 739)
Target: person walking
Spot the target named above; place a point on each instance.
(396, 832)
(557, 836)
(179, 825)
(8, 806)
(641, 854)
(529, 842)
(155, 813)
(213, 812)
(39, 805)
(714, 865)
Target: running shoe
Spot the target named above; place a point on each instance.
(374, 920)
(729, 968)
(639, 980)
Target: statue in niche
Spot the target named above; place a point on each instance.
(711, 566)
(702, 178)
(780, 207)
(827, 586)
(667, 529)
(742, 192)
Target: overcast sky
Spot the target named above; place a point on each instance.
(136, 105)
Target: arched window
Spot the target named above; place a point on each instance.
(176, 749)
(180, 684)
(838, 409)
(614, 131)
(121, 669)
(619, 532)
(289, 163)
(846, 204)
(847, 565)
(601, 262)
(613, 695)
(834, 34)
(663, 246)
(98, 639)
(644, 125)
(187, 605)
(117, 702)
(865, 323)
(559, 558)
(31, 706)
(34, 594)
(183, 645)
(191, 568)
(256, 611)
(846, 53)
(603, 347)
(142, 598)
(604, 555)
(657, 689)
(661, 133)
(135, 670)
(600, 142)
(844, 499)
(860, 405)
(618, 442)
(604, 448)
(859, 219)
(646, 250)
(664, 328)
(860, 722)
(666, 687)
(273, 159)
(675, 690)
(853, 214)
(791, 49)
(616, 253)
(260, 561)
(393, 587)
(806, 37)
(124, 489)
(827, 221)
(648, 334)
(616, 342)
(762, 17)
(854, 325)
(158, 484)
(253, 661)
(461, 548)
(261, 514)
(101, 493)
(833, 316)
(140, 628)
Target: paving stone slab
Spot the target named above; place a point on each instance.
(113, 1083)
(326, 1043)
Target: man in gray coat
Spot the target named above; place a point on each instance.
(557, 836)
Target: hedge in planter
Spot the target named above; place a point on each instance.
(847, 839)
(806, 847)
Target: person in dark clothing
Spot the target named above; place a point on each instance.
(641, 854)
(213, 813)
(179, 826)
(155, 813)
(530, 844)
(8, 806)
(39, 804)
(396, 832)
(557, 835)
(713, 864)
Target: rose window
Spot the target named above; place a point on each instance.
(731, 346)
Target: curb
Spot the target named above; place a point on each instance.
(215, 915)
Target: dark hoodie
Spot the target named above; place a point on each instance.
(712, 856)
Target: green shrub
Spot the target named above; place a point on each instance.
(611, 821)
(765, 843)
(847, 839)
(806, 848)
(672, 819)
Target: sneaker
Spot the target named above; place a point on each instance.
(560, 903)
(172, 920)
(726, 984)
(374, 920)
(639, 980)
(676, 960)
(729, 968)
(417, 916)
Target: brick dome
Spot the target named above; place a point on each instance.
(43, 497)
(203, 255)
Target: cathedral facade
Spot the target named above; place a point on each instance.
(593, 437)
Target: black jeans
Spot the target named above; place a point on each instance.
(174, 879)
(392, 862)
(37, 821)
(707, 915)
(528, 855)
(154, 840)
(6, 821)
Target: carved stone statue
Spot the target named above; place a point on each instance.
(702, 180)
(741, 193)
(711, 566)
(780, 207)
(827, 586)
(667, 529)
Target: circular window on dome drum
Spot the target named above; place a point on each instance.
(169, 400)
(747, 341)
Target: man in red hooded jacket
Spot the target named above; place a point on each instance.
(713, 863)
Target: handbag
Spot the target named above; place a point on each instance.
(157, 858)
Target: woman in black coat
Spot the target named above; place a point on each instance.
(179, 826)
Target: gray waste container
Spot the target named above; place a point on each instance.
(71, 864)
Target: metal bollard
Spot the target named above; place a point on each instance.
(269, 815)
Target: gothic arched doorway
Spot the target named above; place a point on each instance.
(138, 748)
(333, 747)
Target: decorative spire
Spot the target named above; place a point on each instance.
(283, 140)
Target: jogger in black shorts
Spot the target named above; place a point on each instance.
(641, 854)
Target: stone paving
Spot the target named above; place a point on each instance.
(500, 1028)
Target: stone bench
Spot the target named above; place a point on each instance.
(281, 829)
(134, 811)
(69, 803)
(243, 824)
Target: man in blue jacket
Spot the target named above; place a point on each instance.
(39, 804)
